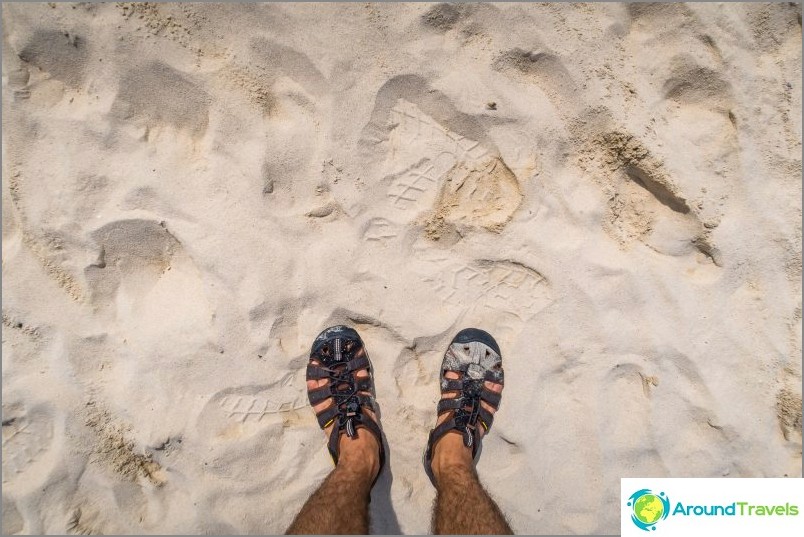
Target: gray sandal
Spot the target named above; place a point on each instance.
(476, 357)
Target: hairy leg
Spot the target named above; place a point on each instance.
(462, 505)
(340, 505)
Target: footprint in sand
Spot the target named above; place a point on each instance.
(645, 205)
(237, 413)
(87, 520)
(12, 520)
(667, 406)
(504, 286)
(418, 183)
(63, 55)
(693, 84)
(541, 67)
(379, 229)
(439, 170)
(443, 17)
(138, 251)
(788, 408)
(147, 96)
(275, 61)
(144, 277)
(420, 153)
(28, 448)
(658, 18)
(482, 194)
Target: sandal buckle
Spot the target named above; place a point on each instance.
(352, 408)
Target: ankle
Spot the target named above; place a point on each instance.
(360, 455)
(451, 456)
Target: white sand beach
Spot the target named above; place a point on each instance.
(192, 192)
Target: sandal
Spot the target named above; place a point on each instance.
(474, 355)
(337, 349)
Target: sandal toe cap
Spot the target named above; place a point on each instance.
(469, 335)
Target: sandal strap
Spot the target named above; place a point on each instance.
(367, 423)
(363, 384)
(317, 395)
(492, 398)
(316, 372)
(486, 417)
(451, 403)
(366, 401)
(322, 393)
(450, 425)
(446, 405)
(497, 376)
(443, 429)
(333, 445)
(326, 416)
(359, 363)
(451, 385)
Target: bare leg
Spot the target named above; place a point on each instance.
(340, 505)
(462, 505)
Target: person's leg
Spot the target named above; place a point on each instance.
(462, 505)
(340, 505)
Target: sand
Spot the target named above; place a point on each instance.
(191, 192)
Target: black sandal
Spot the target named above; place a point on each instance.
(475, 355)
(336, 350)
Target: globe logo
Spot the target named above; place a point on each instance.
(648, 508)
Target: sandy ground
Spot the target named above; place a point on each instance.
(192, 192)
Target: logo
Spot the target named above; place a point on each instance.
(696, 505)
(648, 508)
